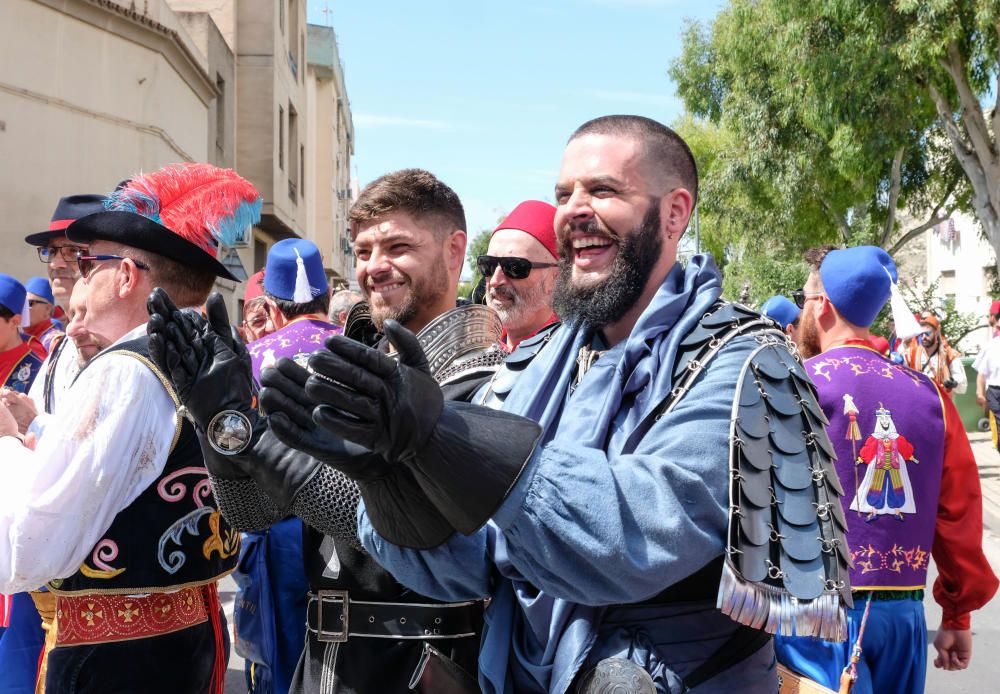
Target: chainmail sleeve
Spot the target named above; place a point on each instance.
(329, 503)
(244, 505)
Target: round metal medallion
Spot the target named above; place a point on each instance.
(229, 432)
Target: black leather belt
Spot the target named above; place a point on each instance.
(334, 617)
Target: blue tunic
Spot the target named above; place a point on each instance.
(614, 507)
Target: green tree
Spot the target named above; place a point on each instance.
(478, 246)
(842, 121)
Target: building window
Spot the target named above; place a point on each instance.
(281, 15)
(281, 138)
(302, 171)
(259, 255)
(947, 286)
(220, 113)
(293, 153)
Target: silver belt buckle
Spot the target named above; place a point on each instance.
(332, 596)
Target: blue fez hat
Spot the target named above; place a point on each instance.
(68, 210)
(294, 271)
(39, 286)
(858, 281)
(781, 310)
(12, 295)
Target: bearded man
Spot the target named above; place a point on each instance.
(519, 267)
(364, 632)
(913, 482)
(930, 353)
(603, 535)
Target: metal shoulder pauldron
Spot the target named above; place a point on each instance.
(786, 559)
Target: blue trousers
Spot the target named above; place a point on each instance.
(894, 650)
(20, 647)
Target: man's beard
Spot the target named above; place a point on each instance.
(607, 301)
(521, 303)
(808, 337)
(423, 291)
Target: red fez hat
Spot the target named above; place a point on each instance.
(880, 344)
(255, 287)
(995, 308)
(536, 218)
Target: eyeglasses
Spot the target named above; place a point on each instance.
(67, 253)
(514, 268)
(35, 302)
(800, 296)
(86, 263)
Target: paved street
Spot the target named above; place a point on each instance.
(982, 676)
(984, 673)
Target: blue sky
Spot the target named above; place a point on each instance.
(485, 94)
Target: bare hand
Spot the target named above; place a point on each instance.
(980, 400)
(954, 649)
(8, 425)
(21, 406)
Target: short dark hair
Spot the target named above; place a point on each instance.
(814, 256)
(291, 309)
(416, 192)
(6, 313)
(664, 149)
(186, 286)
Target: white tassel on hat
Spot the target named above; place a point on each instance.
(303, 292)
(906, 325)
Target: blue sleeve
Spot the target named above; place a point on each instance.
(456, 570)
(600, 529)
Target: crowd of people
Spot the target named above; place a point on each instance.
(602, 477)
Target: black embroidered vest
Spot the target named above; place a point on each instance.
(172, 535)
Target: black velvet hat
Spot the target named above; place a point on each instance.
(68, 210)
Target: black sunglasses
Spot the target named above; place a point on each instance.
(799, 296)
(86, 263)
(515, 268)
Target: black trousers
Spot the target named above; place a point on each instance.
(177, 663)
(993, 402)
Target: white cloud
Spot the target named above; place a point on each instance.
(367, 120)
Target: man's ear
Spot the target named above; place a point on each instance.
(675, 211)
(455, 250)
(128, 278)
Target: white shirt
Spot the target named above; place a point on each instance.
(107, 442)
(988, 362)
(64, 371)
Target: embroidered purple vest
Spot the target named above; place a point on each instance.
(887, 425)
(297, 341)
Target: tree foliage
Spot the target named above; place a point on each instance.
(843, 121)
(478, 246)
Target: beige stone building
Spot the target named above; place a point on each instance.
(328, 176)
(92, 91)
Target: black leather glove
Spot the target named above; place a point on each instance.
(205, 360)
(387, 405)
(397, 507)
(950, 383)
(289, 409)
(465, 458)
(210, 369)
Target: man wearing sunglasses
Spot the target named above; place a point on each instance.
(519, 268)
(602, 532)
(930, 353)
(912, 485)
(111, 510)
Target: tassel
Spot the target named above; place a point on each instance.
(26, 314)
(215, 616)
(303, 293)
(774, 610)
(906, 325)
